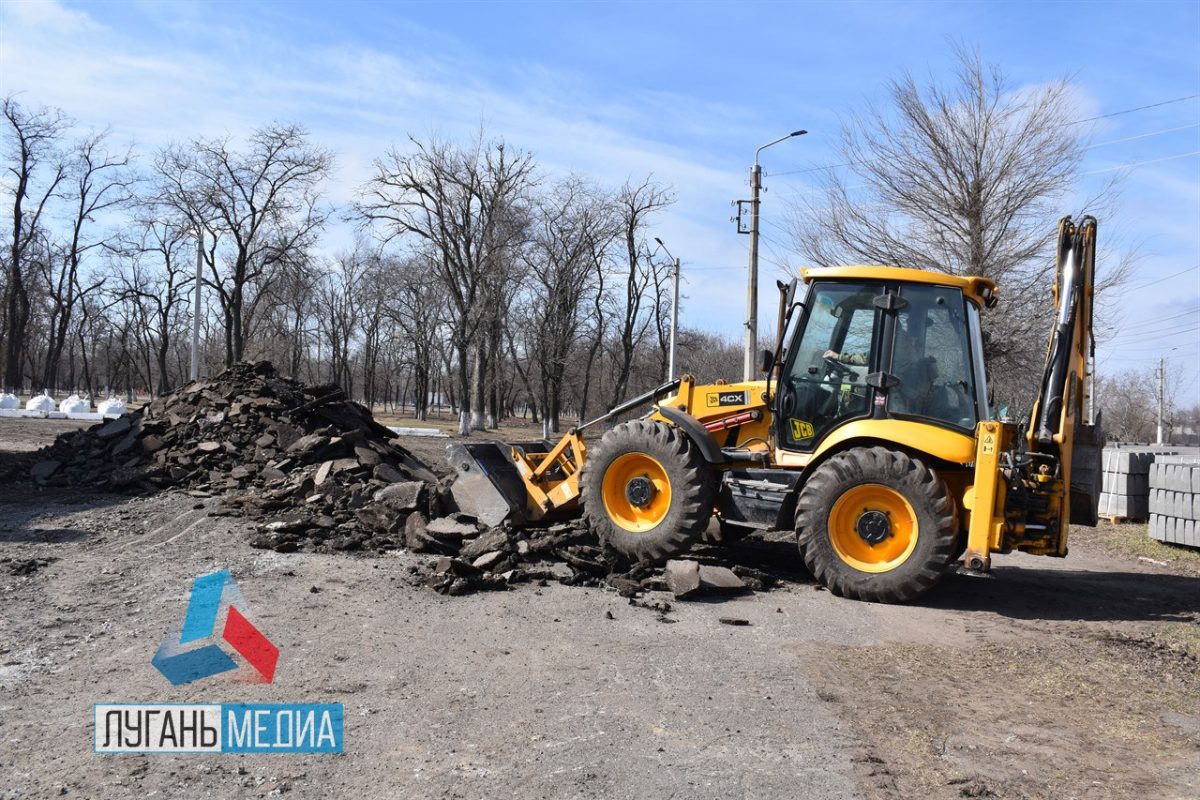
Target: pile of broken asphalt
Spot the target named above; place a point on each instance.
(317, 473)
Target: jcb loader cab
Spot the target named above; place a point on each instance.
(872, 438)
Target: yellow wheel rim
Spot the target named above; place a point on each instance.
(636, 492)
(873, 528)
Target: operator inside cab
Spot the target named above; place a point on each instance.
(929, 365)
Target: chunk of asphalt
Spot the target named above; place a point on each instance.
(683, 577)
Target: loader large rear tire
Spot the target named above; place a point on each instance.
(876, 524)
(647, 491)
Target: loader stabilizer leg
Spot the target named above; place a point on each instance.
(986, 498)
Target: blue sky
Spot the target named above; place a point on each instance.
(683, 90)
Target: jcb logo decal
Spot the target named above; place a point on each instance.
(726, 399)
(801, 429)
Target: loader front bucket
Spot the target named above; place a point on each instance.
(488, 486)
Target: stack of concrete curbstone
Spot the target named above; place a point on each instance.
(1175, 500)
(1125, 494)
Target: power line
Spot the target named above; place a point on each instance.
(1075, 122)
(1154, 322)
(1131, 110)
(1144, 135)
(1132, 164)
(1150, 336)
(1145, 337)
(1170, 328)
(1160, 280)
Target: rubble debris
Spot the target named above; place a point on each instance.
(316, 473)
(733, 621)
(686, 578)
(719, 578)
(26, 566)
(314, 468)
(44, 469)
(683, 577)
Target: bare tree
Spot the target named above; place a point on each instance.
(572, 220)
(636, 204)
(295, 308)
(156, 271)
(968, 179)
(457, 203)
(37, 170)
(416, 304)
(98, 182)
(1130, 402)
(259, 208)
(340, 299)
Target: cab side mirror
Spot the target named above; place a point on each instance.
(767, 361)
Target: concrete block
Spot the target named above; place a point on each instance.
(1126, 483)
(1137, 507)
(1156, 527)
(1135, 462)
(1132, 507)
(1181, 477)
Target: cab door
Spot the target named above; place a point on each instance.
(824, 378)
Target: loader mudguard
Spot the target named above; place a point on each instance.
(696, 432)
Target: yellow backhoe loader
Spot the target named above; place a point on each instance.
(872, 437)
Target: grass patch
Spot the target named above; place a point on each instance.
(1134, 539)
(1181, 635)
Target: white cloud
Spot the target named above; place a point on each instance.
(196, 79)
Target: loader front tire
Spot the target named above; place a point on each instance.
(876, 524)
(647, 491)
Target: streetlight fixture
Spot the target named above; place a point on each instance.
(748, 370)
(674, 307)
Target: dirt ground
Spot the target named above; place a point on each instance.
(1055, 679)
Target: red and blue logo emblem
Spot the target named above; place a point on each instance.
(216, 637)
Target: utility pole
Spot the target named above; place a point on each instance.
(752, 283)
(1161, 381)
(750, 367)
(674, 308)
(196, 306)
(674, 318)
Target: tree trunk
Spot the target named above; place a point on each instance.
(478, 374)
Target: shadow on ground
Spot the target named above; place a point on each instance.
(1017, 592)
(27, 513)
(1071, 594)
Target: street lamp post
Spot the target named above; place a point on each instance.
(749, 368)
(674, 307)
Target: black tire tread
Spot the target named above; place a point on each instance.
(925, 491)
(691, 490)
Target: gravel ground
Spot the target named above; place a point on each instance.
(1056, 679)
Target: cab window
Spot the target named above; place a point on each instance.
(931, 358)
(825, 383)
